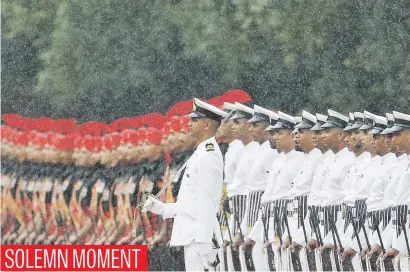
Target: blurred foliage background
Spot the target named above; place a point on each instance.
(105, 59)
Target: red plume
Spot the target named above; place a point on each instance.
(239, 96)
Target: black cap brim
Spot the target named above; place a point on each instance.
(196, 115)
(376, 131)
(257, 118)
(396, 128)
(386, 131)
(270, 128)
(238, 116)
(365, 127)
(356, 126)
(317, 127)
(303, 126)
(348, 128)
(279, 126)
(330, 125)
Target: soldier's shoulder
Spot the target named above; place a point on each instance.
(212, 150)
(210, 147)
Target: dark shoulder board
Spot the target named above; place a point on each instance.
(210, 147)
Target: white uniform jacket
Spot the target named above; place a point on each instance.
(195, 210)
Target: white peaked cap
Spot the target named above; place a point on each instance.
(244, 108)
(321, 117)
(358, 114)
(338, 115)
(201, 109)
(309, 116)
(229, 106)
(259, 114)
(380, 119)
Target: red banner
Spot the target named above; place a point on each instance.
(74, 258)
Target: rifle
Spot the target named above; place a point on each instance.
(221, 249)
(233, 254)
(335, 233)
(404, 265)
(388, 262)
(269, 250)
(363, 263)
(276, 214)
(248, 252)
(367, 260)
(294, 259)
(315, 225)
(279, 232)
(406, 238)
(303, 253)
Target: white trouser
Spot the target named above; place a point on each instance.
(193, 260)
(258, 256)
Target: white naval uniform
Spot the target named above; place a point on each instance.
(355, 173)
(315, 195)
(389, 198)
(239, 184)
(232, 157)
(301, 186)
(238, 187)
(332, 193)
(231, 162)
(256, 184)
(279, 185)
(402, 197)
(259, 173)
(361, 163)
(376, 194)
(195, 210)
(360, 190)
(257, 232)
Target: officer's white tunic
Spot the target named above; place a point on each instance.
(195, 210)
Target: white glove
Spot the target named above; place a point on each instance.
(153, 205)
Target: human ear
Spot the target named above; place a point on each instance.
(207, 124)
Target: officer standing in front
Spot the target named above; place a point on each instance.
(195, 210)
